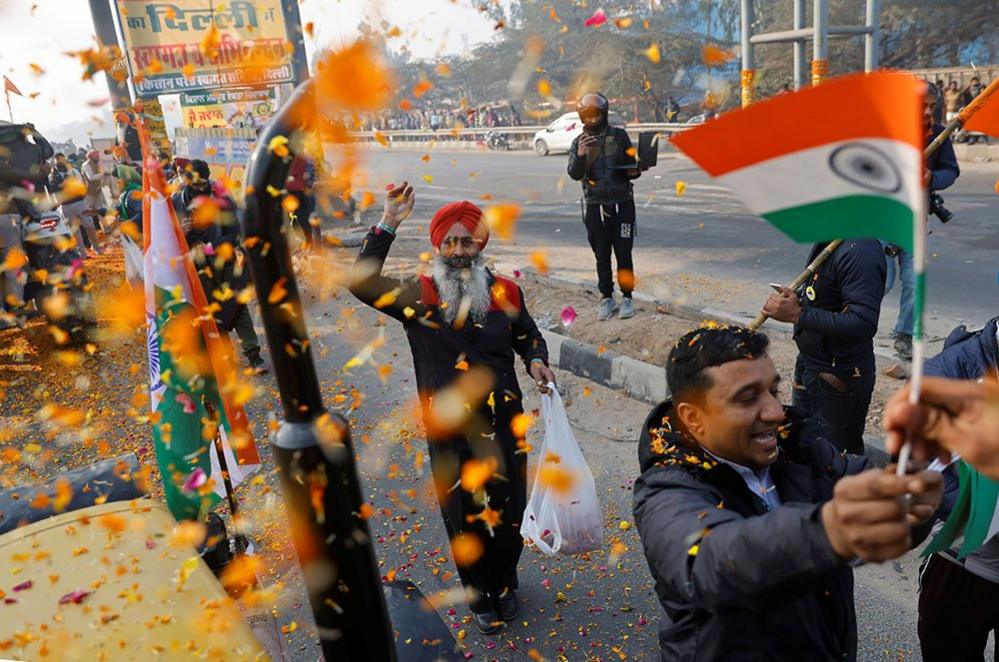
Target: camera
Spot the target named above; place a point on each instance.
(937, 208)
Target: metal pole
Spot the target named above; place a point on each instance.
(820, 48)
(799, 45)
(748, 61)
(100, 12)
(871, 45)
(312, 448)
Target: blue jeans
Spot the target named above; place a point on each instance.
(906, 305)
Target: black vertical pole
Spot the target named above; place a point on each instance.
(100, 11)
(296, 35)
(312, 447)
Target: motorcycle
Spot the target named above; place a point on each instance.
(57, 283)
(497, 141)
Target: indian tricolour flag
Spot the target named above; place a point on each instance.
(841, 160)
(190, 369)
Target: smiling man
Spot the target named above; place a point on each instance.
(465, 325)
(749, 518)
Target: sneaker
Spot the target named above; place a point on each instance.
(903, 346)
(256, 362)
(507, 606)
(627, 309)
(606, 308)
(488, 622)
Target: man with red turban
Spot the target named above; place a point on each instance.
(464, 325)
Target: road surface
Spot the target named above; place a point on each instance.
(703, 248)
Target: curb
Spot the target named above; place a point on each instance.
(637, 379)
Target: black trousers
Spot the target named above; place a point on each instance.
(957, 610)
(840, 397)
(612, 228)
(496, 568)
(306, 205)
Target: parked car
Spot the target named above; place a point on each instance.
(558, 136)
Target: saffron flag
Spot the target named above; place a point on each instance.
(8, 86)
(191, 373)
(982, 114)
(840, 160)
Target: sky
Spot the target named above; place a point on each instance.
(41, 31)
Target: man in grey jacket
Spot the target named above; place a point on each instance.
(750, 519)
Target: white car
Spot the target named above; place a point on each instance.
(558, 136)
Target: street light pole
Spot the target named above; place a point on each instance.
(799, 44)
(820, 42)
(871, 45)
(747, 78)
(100, 12)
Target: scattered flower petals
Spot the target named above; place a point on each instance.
(75, 597)
(598, 18)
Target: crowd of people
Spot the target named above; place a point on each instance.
(445, 118)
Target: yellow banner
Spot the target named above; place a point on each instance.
(189, 45)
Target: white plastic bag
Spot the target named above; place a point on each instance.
(133, 261)
(566, 520)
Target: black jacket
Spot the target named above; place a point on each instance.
(942, 163)
(840, 307)
(439, 348)
(738, 582)
(967, 354)
(602, 184)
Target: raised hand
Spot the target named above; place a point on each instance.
(399, 201)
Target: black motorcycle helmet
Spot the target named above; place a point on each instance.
(593, 109)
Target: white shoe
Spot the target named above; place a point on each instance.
(627, 309)
(606, 309)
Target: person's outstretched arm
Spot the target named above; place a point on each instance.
(396, 298)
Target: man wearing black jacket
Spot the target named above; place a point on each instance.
(603, 158)
(835, 322)
(465, 327)
(207, 215)
(749, 518)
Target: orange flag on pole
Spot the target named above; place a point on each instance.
(9, 86)
(982, 114)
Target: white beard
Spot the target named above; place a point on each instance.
(463, 293)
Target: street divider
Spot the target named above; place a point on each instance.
(519, 137)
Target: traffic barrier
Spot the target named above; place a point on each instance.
(519, 137)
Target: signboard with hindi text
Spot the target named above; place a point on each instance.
(194, 45)
(227, 152)
(232, 109)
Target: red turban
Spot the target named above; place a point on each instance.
(464, 212)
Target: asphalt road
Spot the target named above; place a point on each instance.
(703, 248)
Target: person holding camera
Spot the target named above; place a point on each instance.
(941, 171)
(603, 158)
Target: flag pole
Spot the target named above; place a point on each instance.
(9, 109)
